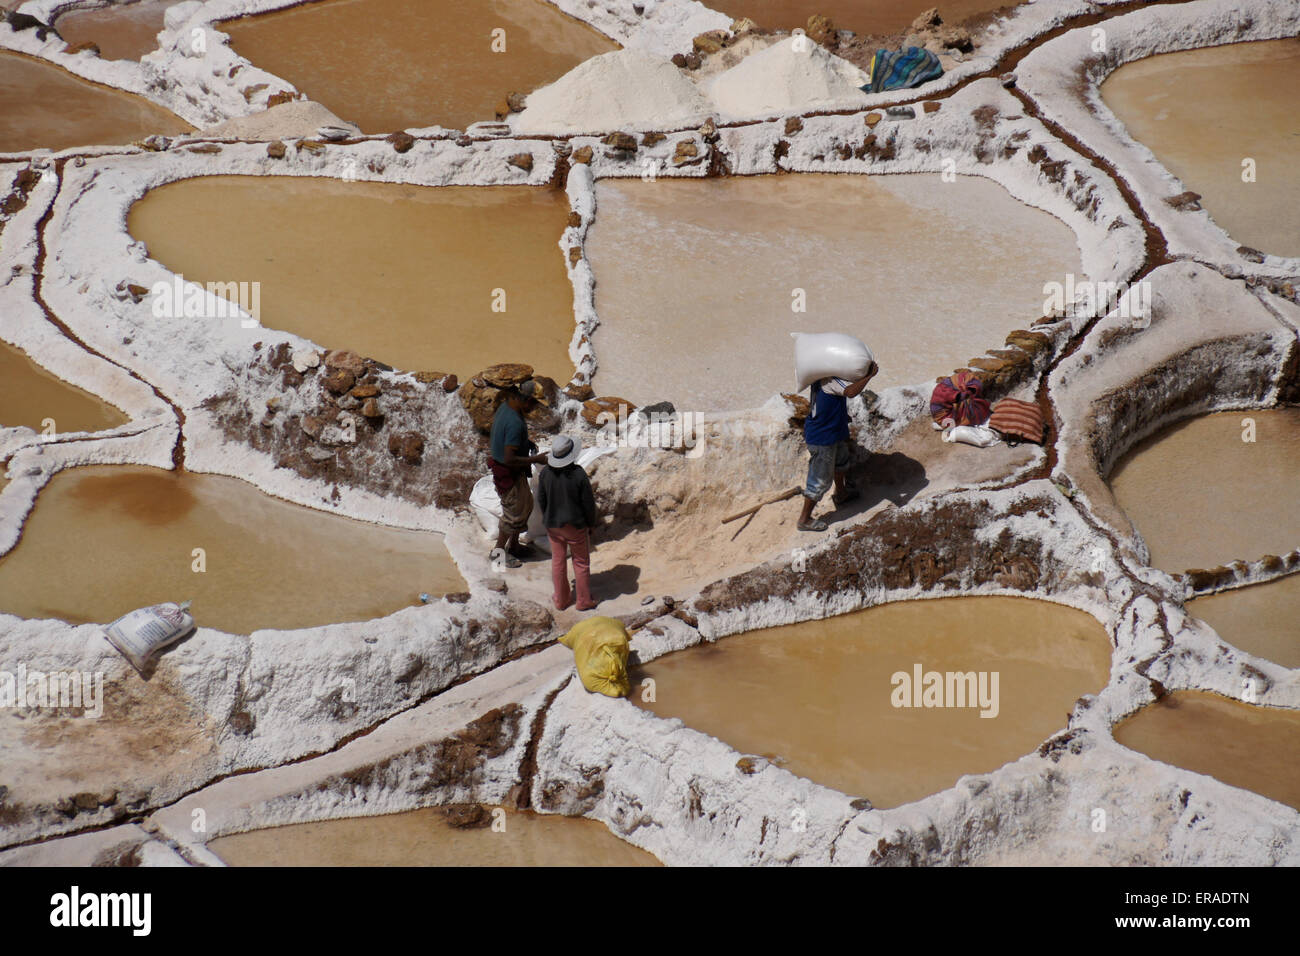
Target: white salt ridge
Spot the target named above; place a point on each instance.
(626, 89)
(791, 76)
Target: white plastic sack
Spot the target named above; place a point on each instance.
(141, 634)
(981, 436)
(486, 503)
(829, 355)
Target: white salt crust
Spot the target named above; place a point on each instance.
(1033, 809)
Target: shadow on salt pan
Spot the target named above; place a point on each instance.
(104, 540)
(821, 697)
(1249, 747)
(1202, 495)
(31, 396)
(425, 838)
(393, 64)
(403, 274)
(43, 106)
(696, 281)
(1205, 112)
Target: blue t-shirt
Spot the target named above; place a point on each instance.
(828, 415)
(508, 431)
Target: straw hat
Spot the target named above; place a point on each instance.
(564, 451)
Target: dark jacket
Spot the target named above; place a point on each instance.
(565, 497)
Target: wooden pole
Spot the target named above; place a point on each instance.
(783, 496)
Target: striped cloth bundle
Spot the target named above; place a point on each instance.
(1015, 419)
(902, 69)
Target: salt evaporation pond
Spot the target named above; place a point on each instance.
(44, 106)
(695, 280)
(1250, 747)
(817, 696)
(1202, 112)
(106, 539)
(424, 838)
(860, 16)
(1263, 619)
(403, 274)
(123, 31)
(31, 396)
(1201, 496)
(428, 63)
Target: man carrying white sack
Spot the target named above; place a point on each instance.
(826, 433)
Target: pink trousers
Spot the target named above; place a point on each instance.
(563, 540)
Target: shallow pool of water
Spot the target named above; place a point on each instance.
(696, 280)
(104, 540)
(1253, 748)
(861, 16)
(1201, 496)
(820, 697)
(1203, 112)
(31, 396)
(427, 63)
(1263, 619)
(44, 106)
(404, 274)
(121, 31)
(424, 838)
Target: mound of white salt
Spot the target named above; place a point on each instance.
(790, 76)
(626, 89)
(295, 118)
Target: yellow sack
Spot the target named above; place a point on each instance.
(599, 646)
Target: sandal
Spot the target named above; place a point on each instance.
(817, 524)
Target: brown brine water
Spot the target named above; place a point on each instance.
(819, 697)
(1201, 496)
(123, 31)
(31, 396)
(860, 16)
(106, 539)
(44, 106)
(1263, 619)
(413, 276)
(697, 282)
(424, 838)
(1205, 112)
(427, 63)
(1250, 747)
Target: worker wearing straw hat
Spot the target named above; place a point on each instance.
(569, 513)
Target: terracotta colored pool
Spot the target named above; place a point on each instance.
(825, 699)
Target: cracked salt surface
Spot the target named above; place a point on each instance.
(523, 732)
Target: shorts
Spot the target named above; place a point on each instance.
(516, 507)
(823, 462)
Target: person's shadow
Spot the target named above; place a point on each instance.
(614, 582)
(893, 477)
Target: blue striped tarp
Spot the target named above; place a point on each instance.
(902, 69)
